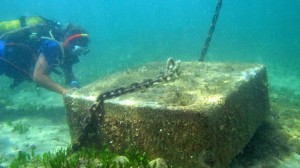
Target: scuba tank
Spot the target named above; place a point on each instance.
(7, 26)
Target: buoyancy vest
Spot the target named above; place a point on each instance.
(25, 34)
(7, 26)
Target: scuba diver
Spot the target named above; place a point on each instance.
(33, 47)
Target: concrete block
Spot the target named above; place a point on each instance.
(204, 117)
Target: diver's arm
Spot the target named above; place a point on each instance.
(69, 75)
(40, 76)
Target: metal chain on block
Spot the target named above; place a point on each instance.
(211, 30)
(96, 109)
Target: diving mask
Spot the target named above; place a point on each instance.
(80, 50)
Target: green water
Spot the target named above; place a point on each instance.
(126, 34)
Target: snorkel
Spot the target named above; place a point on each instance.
(67, 41)
(76, 49)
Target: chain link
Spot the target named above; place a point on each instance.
(172, 68)
(211, 30)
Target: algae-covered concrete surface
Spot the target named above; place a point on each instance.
(204, 117)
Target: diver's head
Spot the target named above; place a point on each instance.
(75, 41)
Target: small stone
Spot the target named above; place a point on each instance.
(119, 161)
(97, 163)
(158, 163)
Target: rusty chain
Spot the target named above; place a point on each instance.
(171, 71)
(211, 30)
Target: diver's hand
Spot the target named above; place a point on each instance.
(68, 91)
(65, 91)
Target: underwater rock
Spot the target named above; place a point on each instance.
(205, 116)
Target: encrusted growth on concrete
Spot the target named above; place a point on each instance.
(204, 117)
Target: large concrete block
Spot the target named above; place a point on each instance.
(205, 116)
